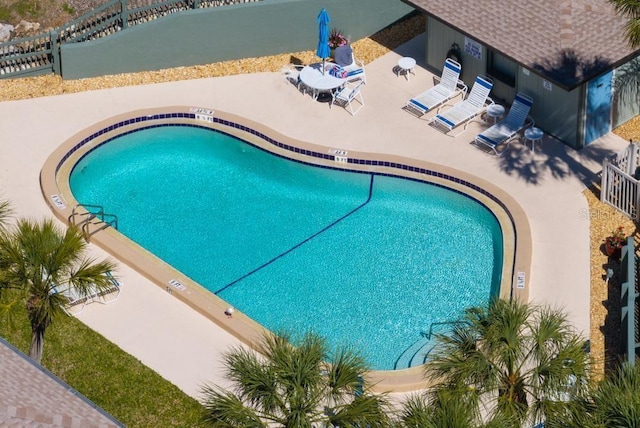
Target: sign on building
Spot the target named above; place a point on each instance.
(473, 48)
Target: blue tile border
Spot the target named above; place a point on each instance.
(368, 162)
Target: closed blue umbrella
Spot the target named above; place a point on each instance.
(323, 36)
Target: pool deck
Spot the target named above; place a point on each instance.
(184, 346)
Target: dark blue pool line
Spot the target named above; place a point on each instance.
(304, 241)
(142, 119)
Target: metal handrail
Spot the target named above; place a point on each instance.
(426, 337)
(92, 212)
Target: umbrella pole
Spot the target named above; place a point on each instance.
(323, 65)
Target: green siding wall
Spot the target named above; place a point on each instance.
(626, 92)
(556, 111)
(206, 36)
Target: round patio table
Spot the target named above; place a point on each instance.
(533, 135)
(321, 82)
(406, 65)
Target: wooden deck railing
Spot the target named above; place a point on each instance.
(620, 186)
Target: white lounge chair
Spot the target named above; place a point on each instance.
(447, 88)
(76, 302)
(355, 71)
(347, 95)
(504, 131)
(467, 109)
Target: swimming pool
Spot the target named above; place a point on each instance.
(312, 258)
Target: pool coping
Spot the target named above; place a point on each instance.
(56, 191)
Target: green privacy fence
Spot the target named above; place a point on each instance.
(140, 35)
(629, 292)
(40, 54)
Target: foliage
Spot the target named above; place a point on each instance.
(112, 379)
(445, 409)
(617, 238)
(5, 212)
(614, 402)
(294, 386)
(68, 8)
(518, 361)
(37, 262)
(337, 38)
(631, 10)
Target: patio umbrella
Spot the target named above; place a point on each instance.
(323, 36)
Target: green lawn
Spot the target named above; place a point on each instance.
(105, 374)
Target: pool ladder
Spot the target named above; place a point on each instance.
(92, 219)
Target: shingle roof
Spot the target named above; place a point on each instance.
(30, 396)
(565, 41)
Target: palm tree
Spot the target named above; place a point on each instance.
(630, 9)
(614, 402)
(5, 210)
(446, 409)
(294, 386)
(36, 261)
(626, 82)
(512, 360)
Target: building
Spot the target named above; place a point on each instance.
(31, 396)
(571, 56)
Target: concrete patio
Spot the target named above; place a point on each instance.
(184, 346)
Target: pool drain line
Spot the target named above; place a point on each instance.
(299, 244)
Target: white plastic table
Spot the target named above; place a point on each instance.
(405, 66)
(533, 134)
(319, 81)
(495, 111)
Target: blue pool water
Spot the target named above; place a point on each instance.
(366, 261)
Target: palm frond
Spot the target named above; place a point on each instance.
(5, 212)
(255, 382)
(225, 410)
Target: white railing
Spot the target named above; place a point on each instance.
(619, 186)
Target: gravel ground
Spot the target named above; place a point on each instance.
(605, 307)
(365, 50)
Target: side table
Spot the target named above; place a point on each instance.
(405, 66)
(495, 111)
(533, 135)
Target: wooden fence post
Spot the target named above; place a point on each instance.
(604, 180)
(56, 61)
(124, 14)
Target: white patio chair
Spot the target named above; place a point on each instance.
(292, 74)
(504, 131)
(347, 95)
(467, 109)
(448, 87)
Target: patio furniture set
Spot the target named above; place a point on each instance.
(476, 104)
(332, 83)
(342, 85)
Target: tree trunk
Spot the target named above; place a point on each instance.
(37, 344)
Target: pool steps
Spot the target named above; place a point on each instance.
(415, 354)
